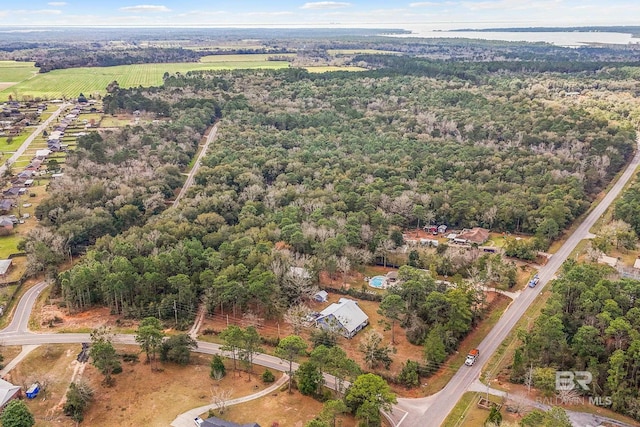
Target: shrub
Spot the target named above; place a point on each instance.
(218, 369)
(268, 376)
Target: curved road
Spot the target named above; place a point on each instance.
(436, 408)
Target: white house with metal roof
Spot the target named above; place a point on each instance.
(345, 316)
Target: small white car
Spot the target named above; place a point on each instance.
(198, 421)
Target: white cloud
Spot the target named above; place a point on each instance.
(37, 12)
(57, 3)
(145, 8)
(325, 5)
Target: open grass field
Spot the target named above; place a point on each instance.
(257, 57)
(94, 80)
(14, 71)
(11, 143)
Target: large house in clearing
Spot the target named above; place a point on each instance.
(476, 235)
(345, 316)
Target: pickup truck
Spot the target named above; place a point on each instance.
(533, 282)
(472, 356)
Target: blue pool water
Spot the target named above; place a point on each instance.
(379, 282)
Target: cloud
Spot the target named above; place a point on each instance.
(57, 3)
(325, 5)
(145, 8)
(37, 12)
(423, 4)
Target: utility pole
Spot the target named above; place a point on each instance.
(175, 311)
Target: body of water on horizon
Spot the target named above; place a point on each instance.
(560, 38)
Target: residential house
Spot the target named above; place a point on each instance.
(476, 235)
(217, 422)
(6, 223)
(8, 392)
(12, 192)
(42, 154)
(345, 316)
(5, 205)
(442, 229)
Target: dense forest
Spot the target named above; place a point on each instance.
(115, 180)
(323, 172)
(627, 208)
(591, 323)
(326, 171)
(332, 166)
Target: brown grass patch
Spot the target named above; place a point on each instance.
(290, 410)
(139, 397)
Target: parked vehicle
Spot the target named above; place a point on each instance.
(472, 356)
(533, 282)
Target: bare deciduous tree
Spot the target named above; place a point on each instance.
(220, 398)
(296, 316)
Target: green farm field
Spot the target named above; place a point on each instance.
(258, 57)
(93, 80)
(14, 71)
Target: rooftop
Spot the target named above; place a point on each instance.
(348, 313)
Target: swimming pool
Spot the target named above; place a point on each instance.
(379, 282)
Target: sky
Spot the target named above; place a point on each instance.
(432, 14)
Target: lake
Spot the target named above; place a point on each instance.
(561, 38)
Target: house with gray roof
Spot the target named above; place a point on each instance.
(217, 422)
(345, 316)
(5, 265)
(8, 392)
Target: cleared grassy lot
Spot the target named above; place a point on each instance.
(14, 71)
(257, 57)
(94, 80)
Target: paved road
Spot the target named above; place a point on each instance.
(196, 165)
(435, 409)
(20, 151)
(20, 322)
